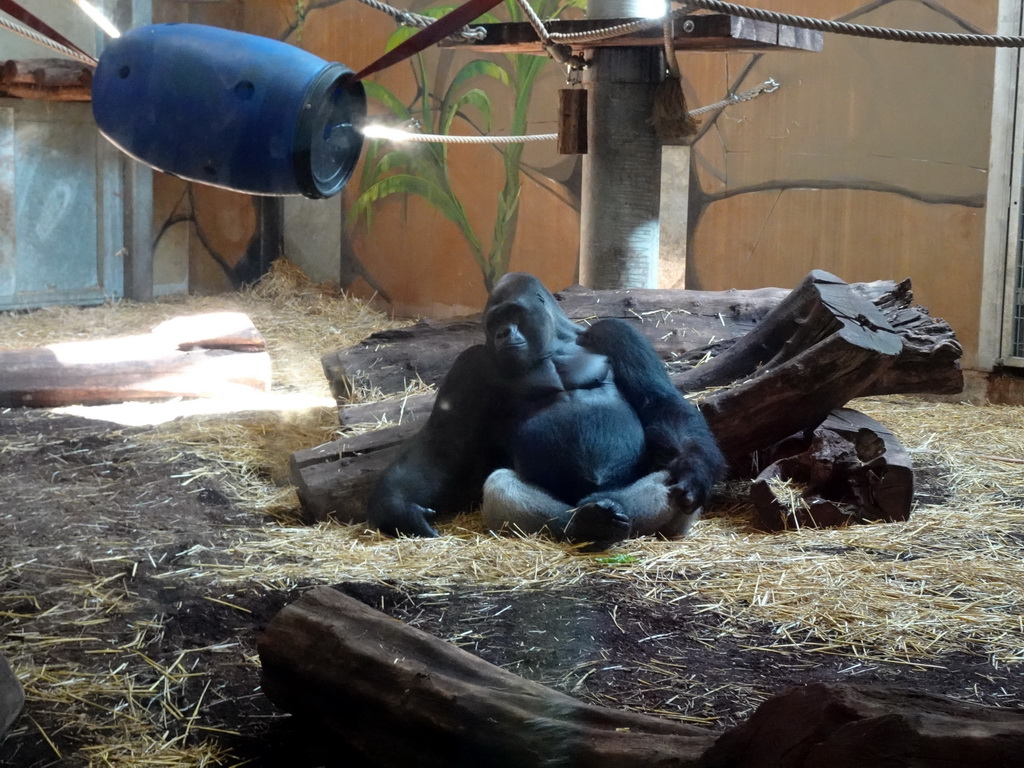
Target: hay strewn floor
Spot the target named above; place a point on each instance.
(138, 563)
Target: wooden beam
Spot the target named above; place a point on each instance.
(46, 80)
(710, 33)
(210, 355)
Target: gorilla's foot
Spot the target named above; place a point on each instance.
(601, 523)
(684, 515)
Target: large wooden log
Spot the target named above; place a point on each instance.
(842, 726)
(823, 345)
(683, 326)
(397, 696)
(209, 355)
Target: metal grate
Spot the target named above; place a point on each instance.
(1017, 321)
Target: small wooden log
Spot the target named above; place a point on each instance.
(397, 696)
(210, 355)
(843, 726)
(572, 121)
(851, 469)
(838, 343)
(46, 79)
(333, 481)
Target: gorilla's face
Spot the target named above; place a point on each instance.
(521, 329)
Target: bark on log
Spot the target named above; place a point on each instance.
(12, 696)
(864, 727)
(683, 326)
(46, 79)
(215, 354)
(400, 697)
(851, 469)
(823, 345)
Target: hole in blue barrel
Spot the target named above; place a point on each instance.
(124, 71)
(245, 90)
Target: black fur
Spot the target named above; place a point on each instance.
(600, 444)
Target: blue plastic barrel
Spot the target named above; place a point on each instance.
(230, 109)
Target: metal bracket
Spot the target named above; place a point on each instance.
(574, 67)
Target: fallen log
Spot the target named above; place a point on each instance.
(46, 79)
(823, 345)
(12, 696)
(397, 696)
(843, 726)
(210, 355)
(684, 327)
(851, 469)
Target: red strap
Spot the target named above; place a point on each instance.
(11, 8)
(440, 29)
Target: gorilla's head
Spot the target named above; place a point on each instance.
(524, 323)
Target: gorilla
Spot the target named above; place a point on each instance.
(577, 432)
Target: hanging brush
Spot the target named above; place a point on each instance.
(669, 116)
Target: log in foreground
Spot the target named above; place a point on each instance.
(821, 346)
(400, 697)
(209, 355)
(842, 726)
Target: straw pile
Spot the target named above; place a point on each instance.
(948, 580)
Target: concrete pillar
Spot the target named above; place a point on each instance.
(138, 187)
(622, 168)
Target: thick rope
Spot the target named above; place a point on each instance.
(617, 30)
(768, 86)
(410, 19)
(535, 21)
(858, 30)
(46, 42)
(668, 33)
(397, 134)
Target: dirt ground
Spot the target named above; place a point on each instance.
(134, 655)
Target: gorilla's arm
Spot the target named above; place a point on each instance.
(678, 438)
(443, 467)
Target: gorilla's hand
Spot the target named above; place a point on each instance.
(408, 519)
(690, 483)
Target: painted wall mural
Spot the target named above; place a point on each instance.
(870, 161)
